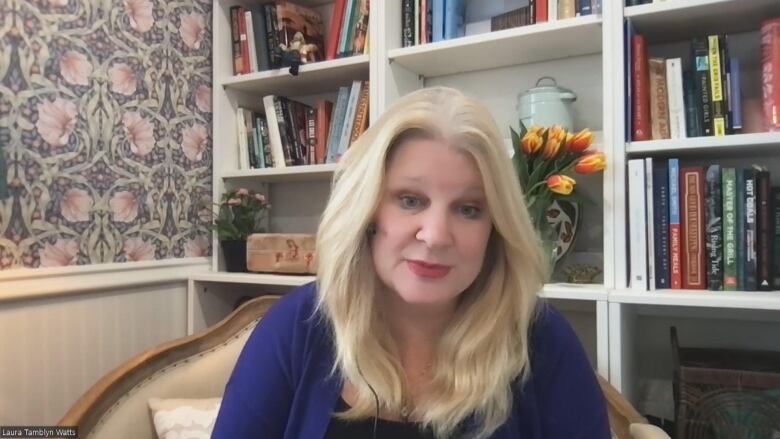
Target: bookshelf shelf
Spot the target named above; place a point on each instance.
(587, 292)
(253, 278)
(320, 77)
(736, 143)
(522, 45)
(672, 20)
(289, 174)
(754, 300)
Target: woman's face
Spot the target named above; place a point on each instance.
(432, 225)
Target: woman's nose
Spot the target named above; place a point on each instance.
(435, 229)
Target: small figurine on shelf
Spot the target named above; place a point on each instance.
(240, 213)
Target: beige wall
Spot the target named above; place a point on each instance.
(54, 348)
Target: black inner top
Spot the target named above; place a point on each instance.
(364, 428)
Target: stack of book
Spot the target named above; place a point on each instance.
(667, 100)
(290, 133)
(696, 227)
(426, 21)
(262, 34)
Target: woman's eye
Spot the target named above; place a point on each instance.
(410, 202)
(470, 211)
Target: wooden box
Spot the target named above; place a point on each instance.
(291, 253)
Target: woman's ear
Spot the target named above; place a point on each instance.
(371, 230)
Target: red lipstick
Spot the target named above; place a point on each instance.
(429, 271)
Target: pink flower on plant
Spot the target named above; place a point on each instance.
(140, 14)
(203, 98)
(140, 132)
(56, 121)
(75, 205)
(242, 192)
(64, 252)
(122, 79)
(196, 247)
(124, 207)
(233, 202)
(136, 249)
(192, 29)
(194, 142)
(75, 68)
(260, 198)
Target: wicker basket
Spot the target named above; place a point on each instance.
(726, 393)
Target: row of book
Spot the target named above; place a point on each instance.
(426, 21)
(291, 133)
(668, 100)
(273, 35)
(696, 227)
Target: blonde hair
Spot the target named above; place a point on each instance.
(484, 350)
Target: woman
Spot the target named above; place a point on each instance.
(423, 321)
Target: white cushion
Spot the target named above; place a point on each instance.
(647, 431)
(184, 418)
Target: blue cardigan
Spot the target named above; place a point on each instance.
(281, 387)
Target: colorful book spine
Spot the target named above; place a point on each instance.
(729, 189)
(716, 87)
(649, 222)
(692, 108)
(776, 239)
(437, 20)
(701, 66)
(674, 223)
(659, 104)
(454, 18)
(713, 220)
(661, 224)
(749, 183)
(770, 60)
(692, 213)
(725, 77)
(636, 225)
(735, 102)
(765, 233)
(640, 94)
(674, 88)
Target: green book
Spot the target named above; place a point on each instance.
(729, 181)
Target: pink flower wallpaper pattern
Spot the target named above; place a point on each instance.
(105, 131)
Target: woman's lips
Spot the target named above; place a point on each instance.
(427, 270)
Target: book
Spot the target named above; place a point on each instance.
(776, 238)
(692, 215)
(261, 42)
(714, 230)
(659, 104)
(674, 89)
(735, 95)
(637, 209)
(274, 133)
(243, 146)
(437, 19)
(649, 222)
(252, 45)
(640, 93)
(740, 214)
(300, 28)
(272, 36)
(701, 68)
(675, 231)
(361, 114)
(661, 224)
(764, 231)
(692, 108)
(749, 183)
(730, 213)
(361, 28)
(407, 20)
(349, 118)
(716, 87)
(770, 79)
(235, 32)
(454, 18)
(324, 110)
(336, 20)
(336, 124)
(566, 9)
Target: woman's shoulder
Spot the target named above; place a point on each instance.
(552, 336)
(295, 308)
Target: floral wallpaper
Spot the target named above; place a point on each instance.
(105, 130)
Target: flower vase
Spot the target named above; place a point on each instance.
(234, 252)
(549, 240)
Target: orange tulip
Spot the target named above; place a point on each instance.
(531, 143)
(580, 141)
(551, 148)
(536, 129)
(561, 184)
(590, 163)
(557, 132)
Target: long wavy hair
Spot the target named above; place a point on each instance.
(483, 352)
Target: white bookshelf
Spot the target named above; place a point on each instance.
(623, 330)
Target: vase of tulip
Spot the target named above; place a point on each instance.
(545, 160)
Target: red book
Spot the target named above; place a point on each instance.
(336, 20)
(238, 61)
(770, 59)
(693, 228)
(244, 42)
(640, 83)
(324, 109)
(541, 11)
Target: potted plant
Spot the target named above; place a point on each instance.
(544, 159)
(239, 214)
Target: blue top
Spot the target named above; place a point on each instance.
(281, 386)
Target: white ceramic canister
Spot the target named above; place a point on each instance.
(546, 105)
